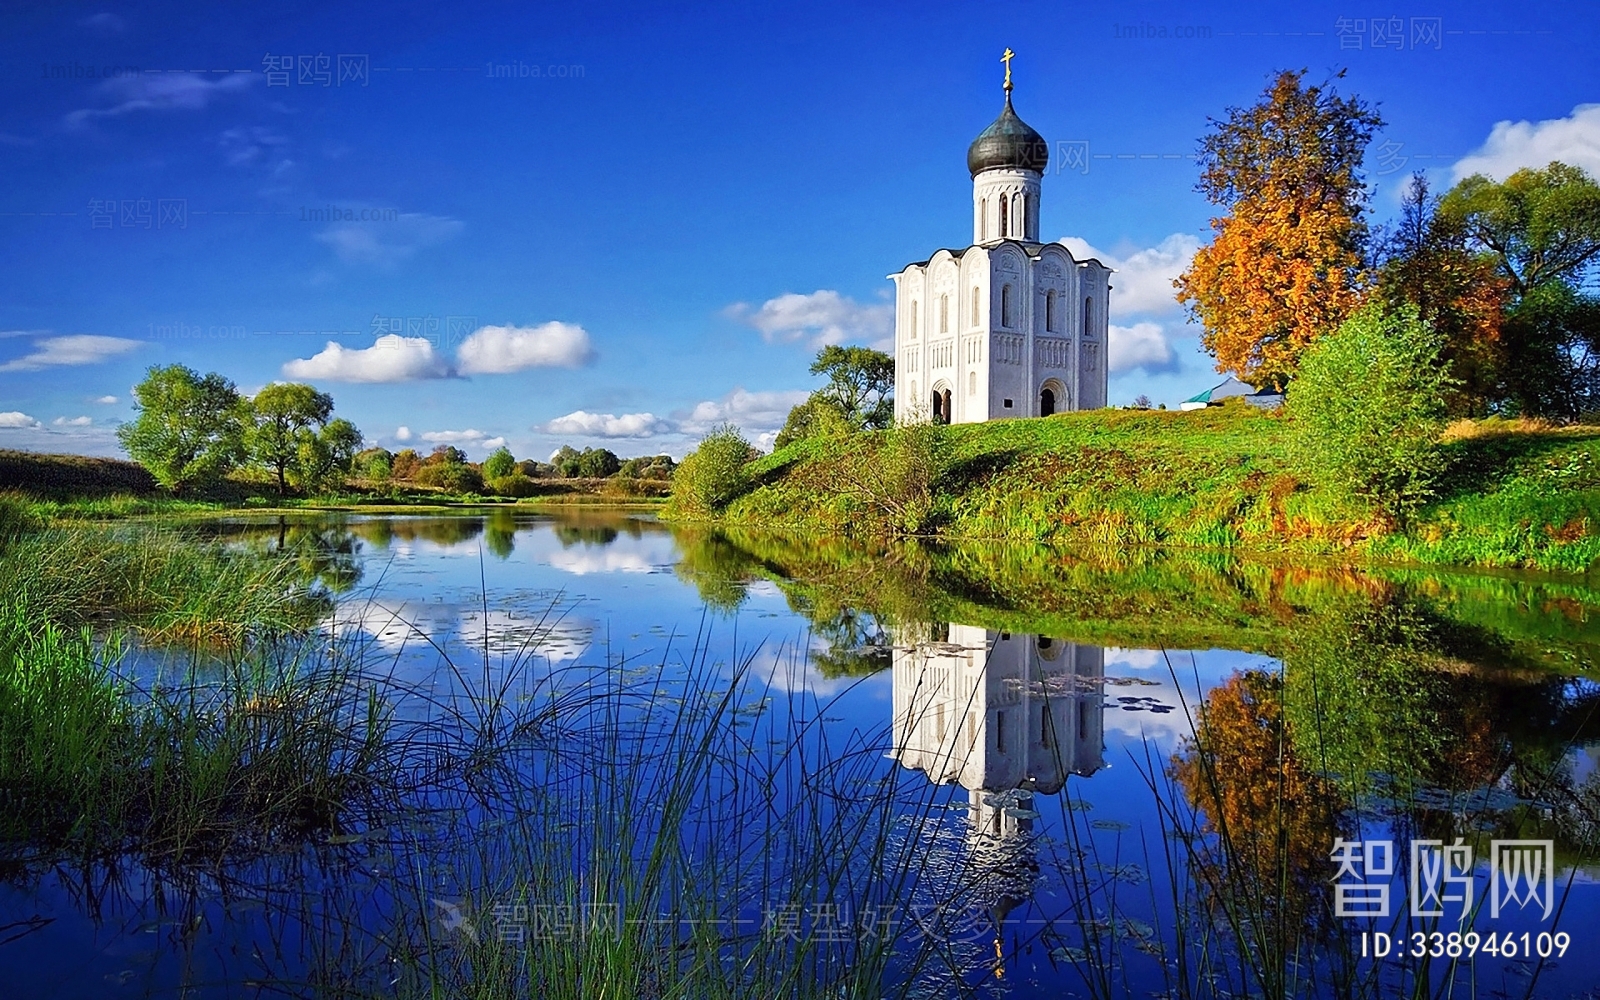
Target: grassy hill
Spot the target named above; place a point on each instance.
(1517, 493)
(63, 476)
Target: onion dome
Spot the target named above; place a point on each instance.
(1008, 143)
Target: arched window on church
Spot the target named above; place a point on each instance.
(983, 220)
(1088, 316)
(972, 383)
(944, 314)
(913, 334)
(1005, 219)
(1050, 311)
(975, 320)
(1020, 229)
(1005, 305)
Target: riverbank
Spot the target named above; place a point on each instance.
(72, 487)
(1517, 494)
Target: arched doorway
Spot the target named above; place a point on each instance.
(1053, 398)
(942, 404)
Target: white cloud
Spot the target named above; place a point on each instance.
(106, 400)
(74, 349)
(1141, 345)
(1143, 282)
(1135, 659)
(160, 92)
(753, 412)
(1574, 140)
(581, 423)
(388, 242)
(14, 420)
(493, 443)
(468, 436)
(1142, 291)
(584, 561)
(391, 358)
(821, 318)
(73, 422)
(402, 433)
(497, 350)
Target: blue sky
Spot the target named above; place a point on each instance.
(619, 224)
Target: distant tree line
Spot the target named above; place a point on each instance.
(193, 430)
(502, 474)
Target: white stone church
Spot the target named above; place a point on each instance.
(1009, 326)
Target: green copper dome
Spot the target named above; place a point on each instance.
(1009, 142)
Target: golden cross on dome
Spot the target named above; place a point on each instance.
(1006, 58)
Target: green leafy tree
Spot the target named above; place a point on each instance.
(1541, 231)
(190, 427)
(818, 416)
(1541, 226)
(598, 463)
(565, 462)
(374, 463)
(288, 416)
(324, 457)
(500, 463)
(713, 475)
(648, 467)
(453, 477)
(514, 485)
(1368, 408)
(860, 384)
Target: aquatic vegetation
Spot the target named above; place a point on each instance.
(92, 764)
(163, 582)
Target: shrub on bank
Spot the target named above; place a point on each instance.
(452, 477)
(513, 485)
(1368, 410)
(713, 475)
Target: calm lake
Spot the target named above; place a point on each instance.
(888, 770)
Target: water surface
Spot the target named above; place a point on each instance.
(1122, 774)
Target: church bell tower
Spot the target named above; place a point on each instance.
(1007, 162)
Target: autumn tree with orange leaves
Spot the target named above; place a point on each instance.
(1286, 263)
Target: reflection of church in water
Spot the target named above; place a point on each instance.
(997, 711)
(1006, 716)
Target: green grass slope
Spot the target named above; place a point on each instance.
(1516, 494)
